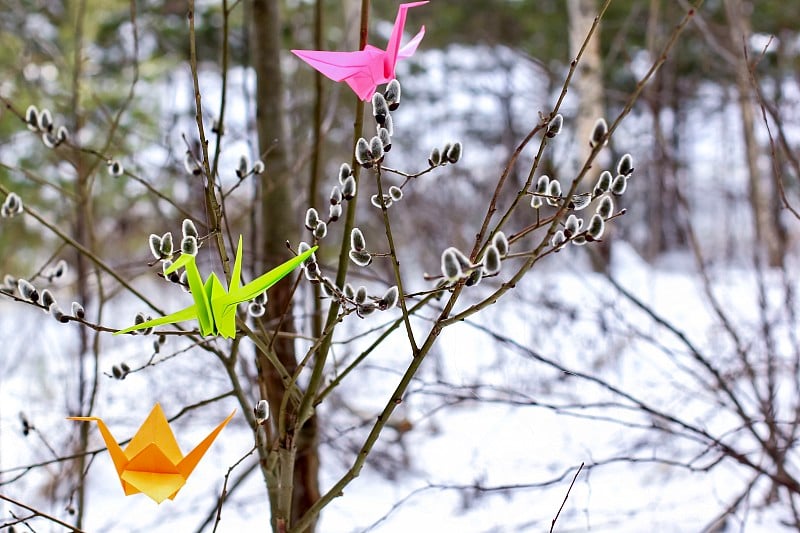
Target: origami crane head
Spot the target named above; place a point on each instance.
(152, 462)
(366, 69)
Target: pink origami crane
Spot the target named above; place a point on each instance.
(366, 69)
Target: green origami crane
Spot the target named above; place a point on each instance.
(214, 307)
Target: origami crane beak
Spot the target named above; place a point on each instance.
(152, 462)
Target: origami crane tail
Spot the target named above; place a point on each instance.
(117, 455)
(409, 49)
(393, 47)
(187, 465)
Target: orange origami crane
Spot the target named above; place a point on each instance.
(152, 462)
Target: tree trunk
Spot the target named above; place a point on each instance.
(588, 84)
(279, 222)
(764, 218)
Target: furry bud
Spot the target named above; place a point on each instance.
(619, 185)
(357, 241)
(349, 188)
(115, 168)
(334, 212)
(336, 196)
(392, 94)
(572, 226)
(599, 133)
(166, 245)
(261, 298)
(256, 310)
(261, 411)
(386, 139)
(60, 269)
(62, 134)
(491, 260)
(344, 172)
(454, 153)
(603, 183)
(625, 165)
(606, 207)
(348, 291)
(554, 127)
(363, 153)
(155, 245)
(381, 201)
(579, 201)
(500, 242)
(46, 120)
(435, 159)
(32, 118)
(451, 266)
(542, 188)
(367, 308)
(395, 193)
(389, 299)
(553, 192)
(189, 245)
(12, 205)
(78, 311)
(380, 109)
(244, 166)
(312, 219)
(389, 126)
(362, 258)
(558, 239)
(321, 230)
(595, 228)
(27, 290)
(376, 148)
(57, 313)
(188, 228)
(47, 298)
(361, 295)
(191, 165)
(49, 140)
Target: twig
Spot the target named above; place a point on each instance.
(44, 515)
(224, 493)
(553, 523)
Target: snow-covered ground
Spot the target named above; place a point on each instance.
(490, 423)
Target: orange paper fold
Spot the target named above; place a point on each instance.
(152, 462)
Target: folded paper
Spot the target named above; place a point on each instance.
(152, 462)
(214, 307)
(364, 70)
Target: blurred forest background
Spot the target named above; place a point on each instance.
(666, 358)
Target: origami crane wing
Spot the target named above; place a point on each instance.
(224, 306)
(187, 313)
(364, 70)
(152, 462)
